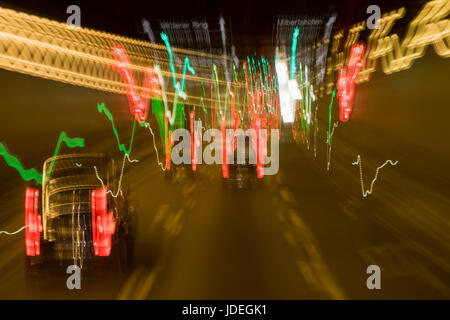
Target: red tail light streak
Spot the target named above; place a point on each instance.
(225, 169)
(346, 81)
(103, 224)
(139, 103)
(32, 223)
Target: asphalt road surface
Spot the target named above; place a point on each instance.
(305, 233)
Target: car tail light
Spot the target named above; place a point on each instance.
(168, 139)
(260, 151)
(225, 169)
(103, 224)
(193, 143)
(32, 222)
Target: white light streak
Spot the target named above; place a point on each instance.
(359, 162)
(147, 125)
(119, 189)
(12, 233)
(335, 125)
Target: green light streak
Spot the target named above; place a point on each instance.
(329, 115)
(32, 174)
(250, 71)
(70, 142)
(204, 96)
(187, 65)
(102, 108)
(27, 174)
(294, 50)
(216, 87)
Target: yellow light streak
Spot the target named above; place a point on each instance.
(82, 57)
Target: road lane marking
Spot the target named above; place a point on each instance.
(285, 195)
(345, 208)
(307, 273)
(125, 291)
(318, 265)
(172, 224)
(160, 213)
(290, 239)
(280, 216)
(146, 286)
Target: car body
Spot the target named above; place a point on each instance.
(241, 175)
(72, 218)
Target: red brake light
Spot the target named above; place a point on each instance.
(261, 145)
(33, 223)
(193, 143)
(168, 139)
(103, 224)
(225, 169)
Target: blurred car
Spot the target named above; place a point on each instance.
(73, 220)
(241, 176)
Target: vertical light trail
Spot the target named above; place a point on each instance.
(147, 125)
(148, 30)
(294, 51)
(316, 122)
(329, 116)
(224, 45)
(335, 125)
(347, 80)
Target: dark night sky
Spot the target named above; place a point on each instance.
(252, 20)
